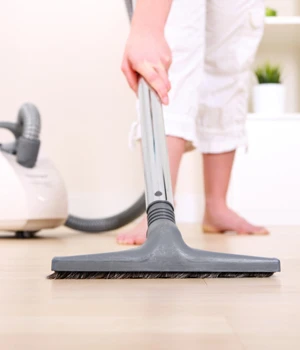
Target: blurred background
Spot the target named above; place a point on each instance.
(65, 57)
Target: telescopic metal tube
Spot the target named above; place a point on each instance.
(154, 147)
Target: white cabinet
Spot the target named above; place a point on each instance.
(265, 186)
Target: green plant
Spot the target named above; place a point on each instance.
(271, 12)
(268, 74)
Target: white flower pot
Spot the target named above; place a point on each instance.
(269, 99)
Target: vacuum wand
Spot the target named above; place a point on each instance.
(154, 147)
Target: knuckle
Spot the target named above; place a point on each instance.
(167, 60)
(136, 62)
(152, 77)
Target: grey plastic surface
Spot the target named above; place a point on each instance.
(28, 145)
(27, 133)
(165, 251)
(29, 120)
(160, 210)
(27, 151)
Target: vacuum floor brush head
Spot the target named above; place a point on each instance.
(163, 255)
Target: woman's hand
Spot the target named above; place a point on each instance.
(148, 54)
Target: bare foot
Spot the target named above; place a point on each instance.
(135, 236)
(220, 219)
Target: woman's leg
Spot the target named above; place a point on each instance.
(233, 32)
(185, 33)
(218, 216)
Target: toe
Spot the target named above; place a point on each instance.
(261, 231)
(131, 240)
(128, 241)
(125, 240)
(139, 240)
(253, 230)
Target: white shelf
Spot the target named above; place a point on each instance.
(283, 31)
(282, 117)
(283, 20)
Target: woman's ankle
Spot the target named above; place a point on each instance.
(213, 204)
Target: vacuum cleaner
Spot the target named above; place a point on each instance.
(164, 254)
(33, 193)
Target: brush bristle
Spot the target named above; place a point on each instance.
(153, 275)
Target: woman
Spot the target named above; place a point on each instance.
(197, 55)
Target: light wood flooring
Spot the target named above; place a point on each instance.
(252, 314)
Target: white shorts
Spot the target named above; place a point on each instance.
(213, 43)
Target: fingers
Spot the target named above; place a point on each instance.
(164, 76)
(155, 75)
(131, 75)
(157, 78)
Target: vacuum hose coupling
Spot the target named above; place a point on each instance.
(28, 144)
(160, 210)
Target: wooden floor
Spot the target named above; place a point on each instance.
(36, 313)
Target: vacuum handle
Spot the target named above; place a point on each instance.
(154, 146)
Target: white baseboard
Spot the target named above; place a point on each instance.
(189, 209)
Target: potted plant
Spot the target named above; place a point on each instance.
(269, 93)
(271, 12)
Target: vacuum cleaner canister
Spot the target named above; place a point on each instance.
(31, 198)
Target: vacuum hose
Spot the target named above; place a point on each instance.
(29, 121)
(28, 144)
(110, 223)
(26, 148)
(27, 132)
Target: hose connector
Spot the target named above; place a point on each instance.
(28, 144)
